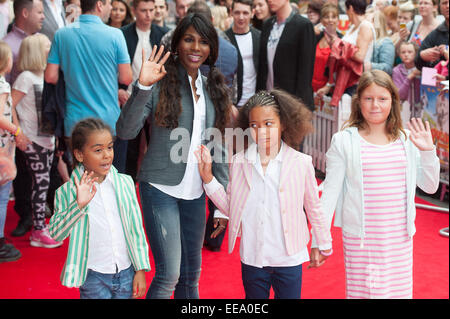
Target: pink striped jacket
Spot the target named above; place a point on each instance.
(298, 189)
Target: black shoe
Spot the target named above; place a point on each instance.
(23, 227)
(211, 248)
(8, 252)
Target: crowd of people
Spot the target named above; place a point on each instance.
(92, 91)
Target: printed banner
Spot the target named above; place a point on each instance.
(434, 108)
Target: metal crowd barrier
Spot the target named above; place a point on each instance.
(327, 120)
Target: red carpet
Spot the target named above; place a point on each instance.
(36, 274)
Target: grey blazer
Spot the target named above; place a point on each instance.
(157, 166)
(49, 25)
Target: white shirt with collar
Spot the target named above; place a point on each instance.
(245, 44)
(190, 186)
(262, 240)
(56, 9)
(143, 42)
(272, 44)
(107, 251)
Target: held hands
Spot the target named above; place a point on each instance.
(85, 189)
(220, 225)
(204, 163)
(420, 135)
(153, 69)
(316, 259)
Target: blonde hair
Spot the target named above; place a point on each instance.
(32, 56)
(379, 24)
(220, 16)
(408, 6)
(394, 120)
(5, 54)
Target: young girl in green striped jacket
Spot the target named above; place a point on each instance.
(98, 209)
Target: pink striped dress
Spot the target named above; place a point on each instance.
(380, 265)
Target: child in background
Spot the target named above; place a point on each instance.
(270, 184)
(8, 130)
(26, 96)
(404, 74)
(98, 208)
(373, 167)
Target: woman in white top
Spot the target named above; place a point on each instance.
(26, 97)
(180, 102)
(361, 32)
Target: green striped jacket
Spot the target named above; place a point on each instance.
(68, 219)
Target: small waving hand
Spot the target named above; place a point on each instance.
(85, 189)
(153, 69)
(420, 134)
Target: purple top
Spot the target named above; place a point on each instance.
(14, 38)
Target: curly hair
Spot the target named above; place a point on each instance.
(169, 106)
(295, 117)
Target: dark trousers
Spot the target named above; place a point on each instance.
(212, 242)
(39, 162)
(286, 282)
(22, 187)
(120, 155)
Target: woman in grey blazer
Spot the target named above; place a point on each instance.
(182, 105)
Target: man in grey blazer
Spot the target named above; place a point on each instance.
(54, 13)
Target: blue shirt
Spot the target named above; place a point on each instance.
(88, 52)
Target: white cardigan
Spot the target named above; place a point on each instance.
(343, 185)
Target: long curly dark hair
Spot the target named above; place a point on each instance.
(295, 117)
(169, 106)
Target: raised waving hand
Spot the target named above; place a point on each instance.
(420, 134)
(153, 70)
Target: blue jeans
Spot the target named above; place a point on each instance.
(175, 230)
(4, 199)
(286, 282)
(108, 286)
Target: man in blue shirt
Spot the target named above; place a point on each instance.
(92, 56)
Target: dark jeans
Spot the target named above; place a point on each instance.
(286, 282)
(175, 229)
(120, 155)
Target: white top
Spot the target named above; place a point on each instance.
(56, 10)
(245, 45)
(107, 251)
(272, 43)
(143, 42)
(5, 136)
(262, 241)
(352, 35)
(29, 111)
(190, 186)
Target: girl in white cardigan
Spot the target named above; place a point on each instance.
(373, 167)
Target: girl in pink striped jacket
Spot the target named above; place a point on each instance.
(373, 167)
(270, 184)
